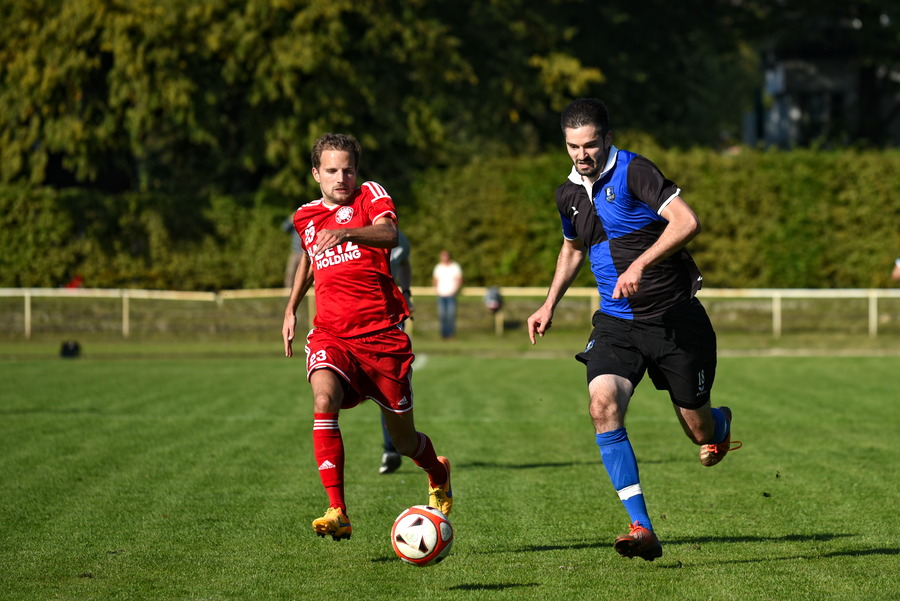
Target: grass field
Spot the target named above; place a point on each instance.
(179, 476)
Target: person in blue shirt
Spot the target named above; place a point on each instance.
(620, 212)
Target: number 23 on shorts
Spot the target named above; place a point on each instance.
(314, 359)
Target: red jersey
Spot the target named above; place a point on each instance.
(355, 292)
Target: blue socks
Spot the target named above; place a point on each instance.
(722, 427)
(621, 465)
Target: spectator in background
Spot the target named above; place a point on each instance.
(296, 251)
(402, 272)
(77, 281)
(447, 277)
(895, 275)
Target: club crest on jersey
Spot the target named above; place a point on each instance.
(610, 194)
(344, 214)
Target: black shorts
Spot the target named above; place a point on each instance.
(678, 351)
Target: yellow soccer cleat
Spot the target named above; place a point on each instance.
(335, 522)
(441, 497)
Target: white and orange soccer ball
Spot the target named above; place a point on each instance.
(422, 535)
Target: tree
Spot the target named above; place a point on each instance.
(229, 95)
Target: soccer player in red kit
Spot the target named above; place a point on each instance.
(356, 349)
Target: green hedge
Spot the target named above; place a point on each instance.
(137, 240)
(799, 219)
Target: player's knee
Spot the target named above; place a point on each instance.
(605, 415)
(326, 403)
(406, 446)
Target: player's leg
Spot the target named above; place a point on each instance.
(686, 367)
(699, 424)
(387, 360)
(609, 401)
(390, 457)
(418, 447)
(614, 367)
(328, 448)
(709, 427)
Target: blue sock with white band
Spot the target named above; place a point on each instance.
(621, 465)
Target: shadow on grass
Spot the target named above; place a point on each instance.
(807, 556)
(524, 466)
(791, 538)
(695, 541)
(490, 587)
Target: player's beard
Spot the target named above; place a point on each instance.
(587, 170)
(340, 197)
(590, 167)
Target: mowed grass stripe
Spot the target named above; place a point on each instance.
(194, 479)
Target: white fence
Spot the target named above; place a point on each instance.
(776, 296)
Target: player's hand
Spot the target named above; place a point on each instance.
(328, 239)
(539, 323)
(287, 333)
(629, 282)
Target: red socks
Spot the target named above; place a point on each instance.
(426, 459)
(328, 447)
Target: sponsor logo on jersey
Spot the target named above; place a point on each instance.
(610, 194)
(344, 215)
(337, 255)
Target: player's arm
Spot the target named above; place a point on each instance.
(683, 225)
(568, 264)
(381, 234)
(303, 279)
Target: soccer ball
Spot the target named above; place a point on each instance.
(422, 535)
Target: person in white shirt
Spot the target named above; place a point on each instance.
(447, 277)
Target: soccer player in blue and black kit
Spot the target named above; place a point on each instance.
(620, 212)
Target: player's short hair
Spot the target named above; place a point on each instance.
(586, 111)
(336, 142)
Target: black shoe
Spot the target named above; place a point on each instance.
(390, 462)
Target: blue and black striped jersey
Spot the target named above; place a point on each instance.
(617, 220)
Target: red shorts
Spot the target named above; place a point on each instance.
(377, 366)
